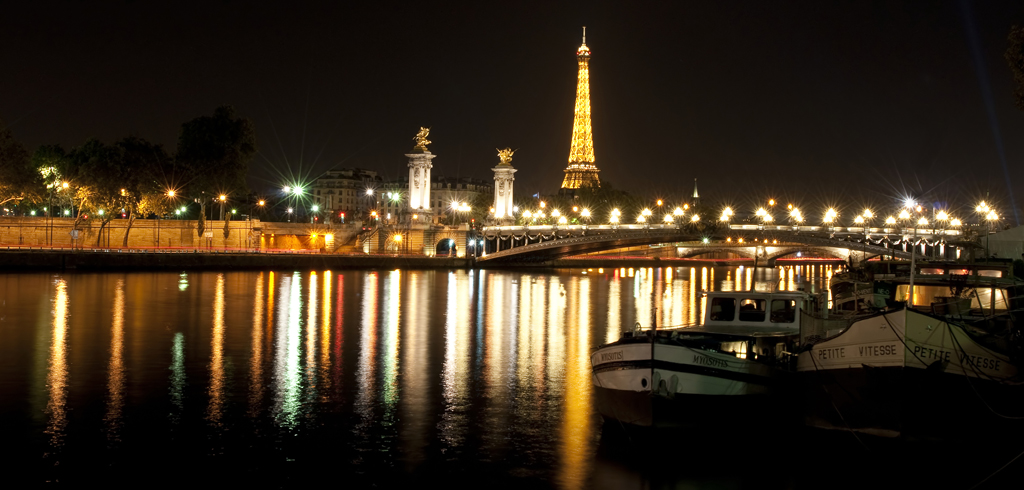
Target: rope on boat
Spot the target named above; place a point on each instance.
(905, 346)
(833, 402)
(971, 383)
(1008, 463)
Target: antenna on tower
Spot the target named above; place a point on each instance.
(584, 34)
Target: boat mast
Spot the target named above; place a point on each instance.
(753, 277)
(913, 256)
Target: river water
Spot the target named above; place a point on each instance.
(370, 378)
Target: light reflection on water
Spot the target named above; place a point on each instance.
(477, 371)
(214, 412)
(57, 375)
(256, 360)
(115, 380)
(286, 370)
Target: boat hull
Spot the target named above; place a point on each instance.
(683, 411)
(910, 375)
(686, 387)
(910, 403)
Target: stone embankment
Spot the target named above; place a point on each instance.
(100, 260)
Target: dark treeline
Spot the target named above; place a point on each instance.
(132, 177)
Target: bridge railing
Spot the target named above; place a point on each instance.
(854, 230)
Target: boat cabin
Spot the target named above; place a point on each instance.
(958, 289)
(752, 311)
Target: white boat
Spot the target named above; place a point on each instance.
(943, 369)
(732, 368)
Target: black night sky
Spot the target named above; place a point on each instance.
(850, 103)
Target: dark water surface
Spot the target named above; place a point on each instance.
(355, 378)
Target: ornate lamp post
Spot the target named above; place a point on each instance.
(989, 218)
(222, 199)
(726, 215)
(831, 216)
(644, 218)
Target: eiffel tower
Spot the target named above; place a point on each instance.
(581, 171)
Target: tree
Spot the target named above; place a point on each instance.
(51, 161)
(18, 178)
(139, 166)
(214, 152)
(1015, 58)
(96, 169)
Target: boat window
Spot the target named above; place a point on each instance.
(752, 310)
(931, 272)
(990, 273)
(737, 348)
(783, 311)
(723, 309)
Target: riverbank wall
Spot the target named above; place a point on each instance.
(173, 233)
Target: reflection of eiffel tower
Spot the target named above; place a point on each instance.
(581, 171)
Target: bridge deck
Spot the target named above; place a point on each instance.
(564, 240)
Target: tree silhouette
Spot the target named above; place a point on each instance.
(214, 152)
(18, 178)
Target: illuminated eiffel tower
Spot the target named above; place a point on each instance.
(581, 171)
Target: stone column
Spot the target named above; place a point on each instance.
(419, 181)
(503, 191)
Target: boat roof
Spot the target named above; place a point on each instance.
(759, 294)
(738, 330)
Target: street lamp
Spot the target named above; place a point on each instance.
(222, 200)
(292, 193)
(989, 218)
(726, 214)
(795, 216)
(642, 218)
(397, 239)
(867, 215)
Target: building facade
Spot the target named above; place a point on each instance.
(343, 193)
(449, 198)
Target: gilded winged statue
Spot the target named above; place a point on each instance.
(505, 155)
(421, 139)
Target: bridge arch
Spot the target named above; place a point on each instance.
(445, 243)
(826, 252)
(688, 253)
